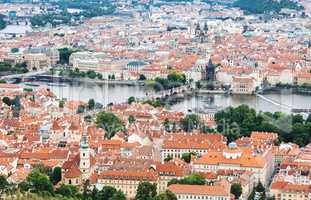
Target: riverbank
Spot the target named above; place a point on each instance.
(293, 90)
(64, 79)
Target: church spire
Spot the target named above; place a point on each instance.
(205, 28)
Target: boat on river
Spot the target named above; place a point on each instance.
(57, 84)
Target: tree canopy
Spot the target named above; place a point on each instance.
(110, 122)
(190, 122)
(266, 6)
(167, 195)
(67, 190)
(173, 80)
(17, 68)
(131, 100)
(64, 54)
(236, 190)
(193, 179)
(146, 191)
(187, 156)
(38, 186)
(39, 182)
(91, 104)
(242, 120)
(87, 10)
(2, 22)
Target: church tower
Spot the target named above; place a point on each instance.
(205, 29)
(197, 30)
(85, 157)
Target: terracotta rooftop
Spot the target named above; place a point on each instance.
(199, 190)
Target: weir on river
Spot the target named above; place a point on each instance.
(275, 102)
(284, 106)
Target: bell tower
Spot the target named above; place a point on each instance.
(85, 157)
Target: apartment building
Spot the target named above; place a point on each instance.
(85, 60)
(219, 191)
(37, 61)
(34, 61)
(303, 78)
(51, 53)
(168, 171)
(178, 144)
(126, 181)
(290, 191)
(260, 162)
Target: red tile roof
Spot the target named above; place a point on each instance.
(73, 172)
(209, 190)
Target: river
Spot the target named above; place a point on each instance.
(108, 93)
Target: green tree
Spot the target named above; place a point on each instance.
(7, 101)
(167, 195)
(168, 158)
(91, 104)
(91, 74)
(110, 123)
(261, 189)
(187, 156)
(14, 50)
(39, 182)
(3, 184)
(118, 195)
(131, 119)
(193, 179)
(5, 67)
(2, 23)
(43, 169)
(167, 126)
(177, 77)
(106, 192)
(190, 122)
(205, 129)
(131, 100)
(81, 109)
(297, 119)
(61, 104)
(86, 192)
(64, 55)
(242, 120)
(94, 193)
(236, 190)
(146, 191)
(266, 6)
(24, 186)
(67, 190)
(142, 77)
(99, 76)
(251, 195)
(155, 103)
(198, 85)
(56, 175)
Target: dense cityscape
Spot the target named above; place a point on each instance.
(155, 99)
